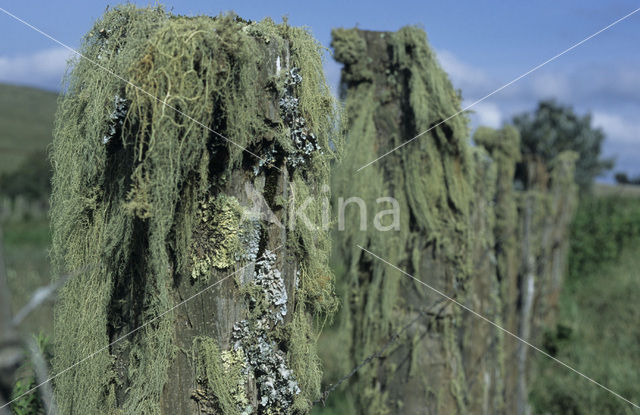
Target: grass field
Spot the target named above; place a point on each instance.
(26, 121)
(26, 247)
(598, 328)
(604, 189)
(598, 334)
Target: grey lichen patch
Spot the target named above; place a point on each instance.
(268, 159)
(255, 352)
(275, 294)
(277, 384)
(249, 239)
(300, 142)
(117, 116)
(304, 141)
(276, 381)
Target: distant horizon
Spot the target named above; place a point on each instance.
(40, 88)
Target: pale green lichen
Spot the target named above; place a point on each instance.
(304, 361)
(235, 366)
(350, 48)
(458, 383)
(223, 374)
(311, 241)
(127, 206)
(218, 235)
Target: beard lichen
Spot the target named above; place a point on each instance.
(142, 196)
(222, 378)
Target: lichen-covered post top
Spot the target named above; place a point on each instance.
(156, 181)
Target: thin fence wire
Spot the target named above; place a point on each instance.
(380, 352)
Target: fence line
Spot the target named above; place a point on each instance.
(425, 313)
(21, 208)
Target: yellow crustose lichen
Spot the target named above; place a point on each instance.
(216, 237)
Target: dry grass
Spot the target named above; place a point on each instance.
(626, 190)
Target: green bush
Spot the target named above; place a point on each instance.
(553, 128)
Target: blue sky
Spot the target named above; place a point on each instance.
(482, 45)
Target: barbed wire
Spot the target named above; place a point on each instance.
(379, 353)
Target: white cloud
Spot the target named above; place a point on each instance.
(44, 68)
(546, 85)
(617, 128)
(464, 76)
(609, 91)
(487, 114)
(332, 71)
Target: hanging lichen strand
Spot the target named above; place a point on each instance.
(394, 89)
(158, 207)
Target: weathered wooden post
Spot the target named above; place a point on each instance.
(545, 208)
(497, 377)
(395, 89)
(465, 228)
(183, 150)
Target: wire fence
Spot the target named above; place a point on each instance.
(13, 209)
(422, 314)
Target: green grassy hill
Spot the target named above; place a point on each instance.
(26, 122)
